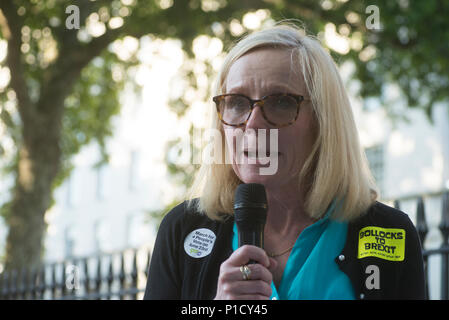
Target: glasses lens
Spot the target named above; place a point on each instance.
(281, 109)
(234, 109)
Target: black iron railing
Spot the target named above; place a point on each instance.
(122, 275)
(423, 230)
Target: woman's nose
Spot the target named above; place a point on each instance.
(256, 119)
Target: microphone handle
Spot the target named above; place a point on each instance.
(252, 237)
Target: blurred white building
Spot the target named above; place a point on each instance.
(105, 209)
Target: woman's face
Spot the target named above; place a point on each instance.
(257, 74)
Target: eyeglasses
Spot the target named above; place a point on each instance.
(280, 109)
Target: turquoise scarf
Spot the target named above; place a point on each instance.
(311, 272)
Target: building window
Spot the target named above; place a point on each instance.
(375, 156)
(101, 237)
(100, 191)
(133, 165)
(136, 230)
(69, 191)
(69, 242)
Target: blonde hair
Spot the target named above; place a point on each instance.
(337, 166)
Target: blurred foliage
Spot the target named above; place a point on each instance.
(410, 50)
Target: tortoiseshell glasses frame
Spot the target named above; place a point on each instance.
(220, 99)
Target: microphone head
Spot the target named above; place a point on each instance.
(250, 204)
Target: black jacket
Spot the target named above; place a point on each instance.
(382, 256)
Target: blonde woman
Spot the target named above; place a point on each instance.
(326, 236)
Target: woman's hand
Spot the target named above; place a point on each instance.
(231, 284)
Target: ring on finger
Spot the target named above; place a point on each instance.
(246, 272)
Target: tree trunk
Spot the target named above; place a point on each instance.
(38, 165)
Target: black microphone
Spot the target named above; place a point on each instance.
(250, 213)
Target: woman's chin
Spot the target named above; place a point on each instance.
(253, 175)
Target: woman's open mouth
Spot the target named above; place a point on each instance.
(262, 158)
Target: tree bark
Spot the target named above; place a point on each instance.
(38, 164)
(26, 220)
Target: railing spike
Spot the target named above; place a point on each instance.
(54, 284)
(13, 285)
(444, 223)
(147, 268)
(5, 285)
(21, 283)
(63, 284)
(32, 283)
(444, 228)
(421, 223)
(397, 204)
(86, 277)
(134, 273)
(41, 283)
(122, 275)
(98, 279)
(110, 276)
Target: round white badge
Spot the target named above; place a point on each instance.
(199, 243)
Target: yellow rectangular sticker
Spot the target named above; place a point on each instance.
(383, 243)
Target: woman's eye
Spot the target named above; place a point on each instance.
(282, 102)
(236, 104)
